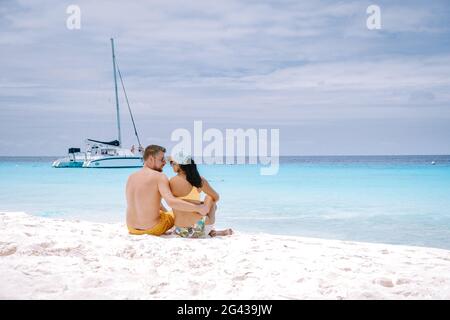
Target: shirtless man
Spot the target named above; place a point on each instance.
(145, 214)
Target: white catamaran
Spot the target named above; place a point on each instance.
(100, 154)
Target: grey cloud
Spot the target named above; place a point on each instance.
(229, 63)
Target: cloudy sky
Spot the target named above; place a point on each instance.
(309, 68)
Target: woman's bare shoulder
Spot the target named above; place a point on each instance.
(174, 179)
(178, 181)
(177, 178)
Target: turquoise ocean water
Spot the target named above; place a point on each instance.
(388, 199)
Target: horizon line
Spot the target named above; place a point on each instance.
(297, 155)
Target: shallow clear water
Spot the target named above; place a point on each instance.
(400, 200)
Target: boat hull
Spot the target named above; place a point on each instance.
(67, 164)
(114, 162)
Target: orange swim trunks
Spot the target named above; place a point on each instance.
(166, 222)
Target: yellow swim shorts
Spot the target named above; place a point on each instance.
(165, 223)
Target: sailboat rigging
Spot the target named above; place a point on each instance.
(101, 154)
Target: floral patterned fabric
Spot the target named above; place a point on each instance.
(196, 231)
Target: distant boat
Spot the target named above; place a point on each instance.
(101, 154)
(433, 162)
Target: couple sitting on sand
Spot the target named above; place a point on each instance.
(145, 188)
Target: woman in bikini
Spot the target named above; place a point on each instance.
(188, 185)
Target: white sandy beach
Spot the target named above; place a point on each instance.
(43, 258)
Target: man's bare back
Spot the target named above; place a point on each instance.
(143, 199)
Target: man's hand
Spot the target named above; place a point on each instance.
(203, 209)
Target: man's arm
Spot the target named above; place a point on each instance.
(178, 204)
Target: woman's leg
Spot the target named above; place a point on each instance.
(212, 219)
(218, 233)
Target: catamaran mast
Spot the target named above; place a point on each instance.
(117, 97)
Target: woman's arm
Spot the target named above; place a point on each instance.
(206, 188)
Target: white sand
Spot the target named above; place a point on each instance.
(44, 258)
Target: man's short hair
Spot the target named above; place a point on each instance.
(153, 150)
